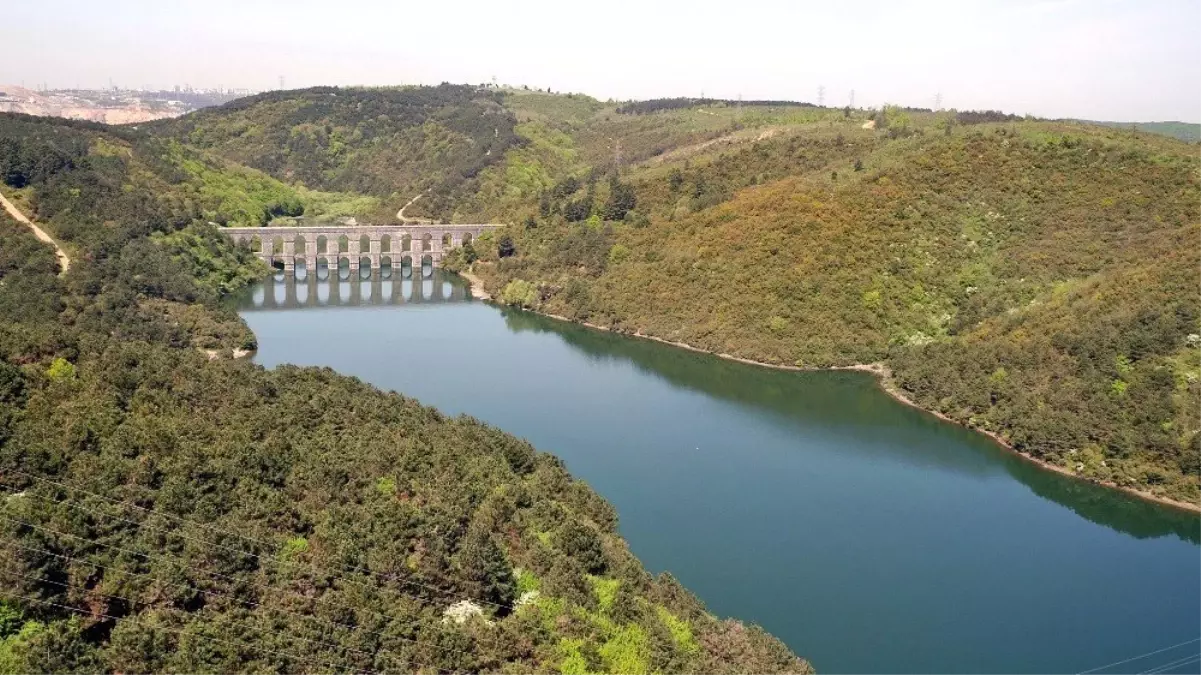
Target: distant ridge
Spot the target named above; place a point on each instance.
(1185, 131)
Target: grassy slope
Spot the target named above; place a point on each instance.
(575, 135)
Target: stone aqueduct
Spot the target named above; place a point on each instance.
(397, 244)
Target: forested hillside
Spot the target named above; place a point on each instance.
(164, 511)
(1035, 279)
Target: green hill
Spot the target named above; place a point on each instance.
(391, 143)
(168, 511)
(977, 254)
(980, 262)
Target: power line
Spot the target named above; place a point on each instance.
(231, 549)
(147, 557)
(94, 592)
(113, 547)
(188, 587)
(250, 603)
(280, 562)
(252, 540)
(89, 613)
(1172, 664)
(1140, 656)
(231, 533)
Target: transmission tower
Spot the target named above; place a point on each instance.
(821, 95)
(281, 83)
(852, 103)
(938, 101)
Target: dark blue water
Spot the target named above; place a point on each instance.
(867, 535)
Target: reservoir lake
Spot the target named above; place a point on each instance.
(867, 535)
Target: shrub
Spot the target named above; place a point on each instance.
(60, 370)
(519, 293)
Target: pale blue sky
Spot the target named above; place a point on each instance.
(1099, 59)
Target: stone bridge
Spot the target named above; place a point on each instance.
(371, 245)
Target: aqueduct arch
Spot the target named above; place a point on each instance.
(372, 245)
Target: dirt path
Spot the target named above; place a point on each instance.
(38, 232)
(735, 138)
(400, 215)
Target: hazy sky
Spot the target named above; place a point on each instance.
(1098, 59)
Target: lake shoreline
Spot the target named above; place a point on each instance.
(886, 383)
(475, 285)
(884, 380)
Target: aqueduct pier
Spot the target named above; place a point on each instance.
(373, 245)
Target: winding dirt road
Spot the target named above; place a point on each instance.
(38, 232)
(400, 215)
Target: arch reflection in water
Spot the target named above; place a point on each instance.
(321, 289)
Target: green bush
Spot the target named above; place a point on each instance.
(61, 370)
(520, 293)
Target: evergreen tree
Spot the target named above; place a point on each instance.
(485, 569)
(621, 200)
(505, 247)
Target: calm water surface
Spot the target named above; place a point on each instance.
(868, 536)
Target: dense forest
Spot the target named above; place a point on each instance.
(171, 510)
(1031, 278)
